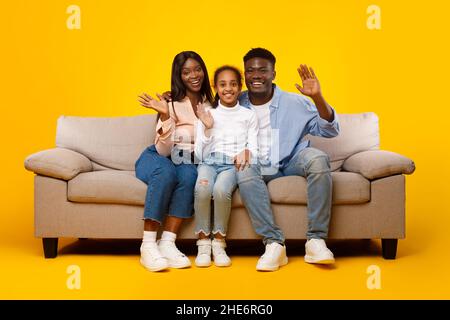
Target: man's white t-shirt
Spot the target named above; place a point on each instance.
(265, 132)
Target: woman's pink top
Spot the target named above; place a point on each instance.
(178, 130)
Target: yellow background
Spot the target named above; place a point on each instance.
(123, 48)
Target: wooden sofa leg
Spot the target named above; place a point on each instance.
(389, 248)
(50, 247)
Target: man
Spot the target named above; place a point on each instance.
(284, 119)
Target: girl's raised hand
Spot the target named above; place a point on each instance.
(160, 106)
(205, 116)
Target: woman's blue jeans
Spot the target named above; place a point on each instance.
(170, 187)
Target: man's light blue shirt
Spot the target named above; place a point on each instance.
(292, 117)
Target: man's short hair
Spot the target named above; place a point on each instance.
(260, 53)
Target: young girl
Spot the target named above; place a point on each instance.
(226, 141)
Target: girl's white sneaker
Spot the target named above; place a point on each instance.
(203, 258)
(221, 258)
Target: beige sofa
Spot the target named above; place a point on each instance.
(86, 186)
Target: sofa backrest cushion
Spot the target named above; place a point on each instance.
(358, 132)
(112, 142)
(117, 142)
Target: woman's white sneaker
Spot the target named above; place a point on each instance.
(221, 259)
(203, 258)
(176, 258)
(273, 258)
(317, 252)
(152, 259)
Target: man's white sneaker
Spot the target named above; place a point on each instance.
(151, 258)
(175, 257)
(221, 258)
(273, 258)
(203, 258)
(317, 252)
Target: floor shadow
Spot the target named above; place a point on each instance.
(340, 248)
(101, 246)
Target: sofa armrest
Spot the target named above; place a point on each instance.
(376, 164)
(58, 163)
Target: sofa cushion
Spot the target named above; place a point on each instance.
(107, 186)
(236, 201)
(348, 188)
(58, 163)
(122, 187)
(358, 132)
(114, 142)
(377, 164)
(114, 186)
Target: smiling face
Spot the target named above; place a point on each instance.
(228, 88)
(259, 74)
(192, 75)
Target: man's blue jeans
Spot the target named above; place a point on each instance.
(310, 163)
(170, 188)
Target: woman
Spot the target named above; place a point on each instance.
(167, 167)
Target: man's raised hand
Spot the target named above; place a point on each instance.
(311, 85)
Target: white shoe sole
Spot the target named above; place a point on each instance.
(222, 265)
(273, 267)
(203, 265)
(310, 259)
(156, 268)
(179, 265)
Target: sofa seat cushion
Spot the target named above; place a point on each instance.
(122, 187)
(348, 188)
(114, 186)
(236, 201)
(107, 186)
